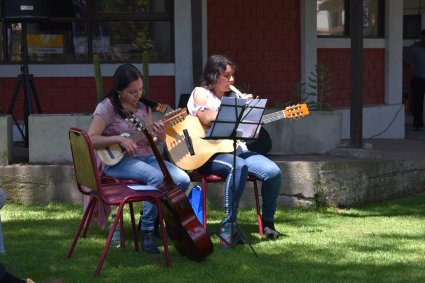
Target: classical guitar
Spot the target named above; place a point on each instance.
(185, 231)
(113, 154)
(188, 149)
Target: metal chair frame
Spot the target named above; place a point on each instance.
(211, 178)
(109, 191)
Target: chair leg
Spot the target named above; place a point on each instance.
(117, 218)
(133, 228)
(88, 220)
(257, 205)
(83, 221)
(204, 202)
(163, 234)
(122, 244)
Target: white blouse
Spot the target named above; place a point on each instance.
(213, 103)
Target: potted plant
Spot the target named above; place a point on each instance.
(317, 133)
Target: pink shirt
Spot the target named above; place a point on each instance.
(115, 125)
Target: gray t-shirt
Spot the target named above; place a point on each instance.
(415, 54)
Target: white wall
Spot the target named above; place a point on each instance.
(382, 122)
(390, 116)
(183, 47)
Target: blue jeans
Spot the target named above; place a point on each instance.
(266, 171)
(247, 163)
(146, 169)
(222, 165)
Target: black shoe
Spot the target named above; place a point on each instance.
(149, 243)
(157, 233)
(270, 231)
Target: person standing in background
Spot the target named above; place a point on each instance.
(415, 56)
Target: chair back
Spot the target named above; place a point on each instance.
(85, 165)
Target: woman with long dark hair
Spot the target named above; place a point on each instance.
(139, 163)
(204, 102)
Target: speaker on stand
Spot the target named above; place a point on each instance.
(24, 11)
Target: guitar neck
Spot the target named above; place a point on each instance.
(136, 137)
(290, 112)
(167, 176)
(168, 120)
(272, 117)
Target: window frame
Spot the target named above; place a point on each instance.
(347, 34)
(88, 20)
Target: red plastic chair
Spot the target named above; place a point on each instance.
(109, 191)
(205, 179)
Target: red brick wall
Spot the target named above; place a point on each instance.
(74, 95)
(338, 61)
(263, 40)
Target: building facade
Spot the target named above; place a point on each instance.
(275, 44)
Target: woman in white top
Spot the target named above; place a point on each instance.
(204, 103)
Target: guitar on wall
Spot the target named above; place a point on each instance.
(188, 149)
(112, 154)
(185, 231)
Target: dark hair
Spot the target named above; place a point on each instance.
(215, 66)
(423, 32)
(123, 76)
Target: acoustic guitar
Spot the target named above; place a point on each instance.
(113, 154)
(185, 231)
(188, 149)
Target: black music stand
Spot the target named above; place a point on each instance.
(27, 81)
(237, 119)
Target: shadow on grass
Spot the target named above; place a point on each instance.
(409, 206)
(318, 248)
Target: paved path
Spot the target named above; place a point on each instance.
(412, 147)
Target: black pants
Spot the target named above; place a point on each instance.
(7, 277)
(418, 90)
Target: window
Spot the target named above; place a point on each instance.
(119, 31)
(333, 18)
(411, 26)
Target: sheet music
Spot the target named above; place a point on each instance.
(142, 187)
(230, 109)
(229, 113)
(249, 126)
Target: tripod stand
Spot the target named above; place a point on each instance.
(237, 121)
(27, 81)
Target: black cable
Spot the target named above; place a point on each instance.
(392, 121)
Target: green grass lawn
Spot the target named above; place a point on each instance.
(376, 243)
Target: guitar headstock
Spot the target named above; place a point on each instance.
(296, 111)
(161, 108)
(174, 117)
(139, 126)
(170, 119)
(133, 119)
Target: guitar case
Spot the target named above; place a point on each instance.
(263, 144)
